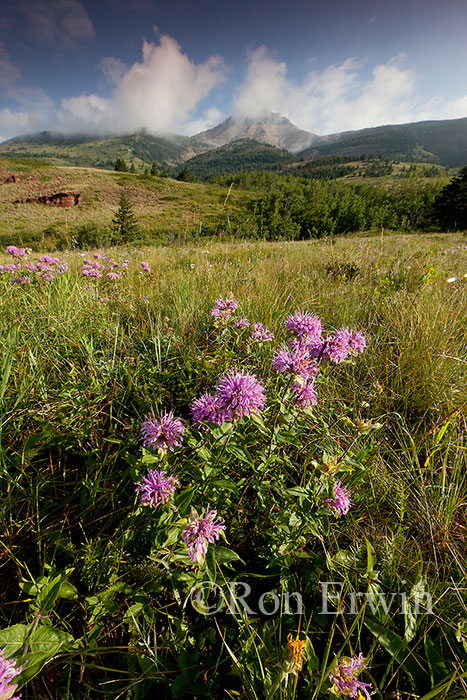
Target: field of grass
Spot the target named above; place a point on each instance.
(164, 207)
(99, 594)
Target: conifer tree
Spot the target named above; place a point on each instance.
(450, 206)
(124, 225)
(154, 170)
(121, 166)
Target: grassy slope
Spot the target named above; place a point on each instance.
(162, 205)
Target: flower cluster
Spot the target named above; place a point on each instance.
(146, 267)
(156, 487)
(237, 394)
(342, 502)
(8, 672)
(224, 308)
(294, 654)
(304, 326)
(163, 433)
(45, 269)
(343, 678)
(261, 333)
(307, 349)
(103, 265)
(16, 252)
(200, 532)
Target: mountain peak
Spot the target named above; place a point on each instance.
(271, 128)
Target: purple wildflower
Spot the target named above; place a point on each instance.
(357, 342)
(240, 394)
(164, 433)
(241, 322)
(342, 502)
(146, 267)
(294, 358)
(156, 488)
(47, 276)
(15, 252)
(224, 308)
(261, 333)
(343, 676)
(199, 532)
(20, 280)
(206, 409)
(8, 671)
(113, 275)
(305, 326)
(337, 347)
(305, 393)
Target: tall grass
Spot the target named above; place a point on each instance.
(81, 367)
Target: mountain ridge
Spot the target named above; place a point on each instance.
(273, 128)
(442, 142)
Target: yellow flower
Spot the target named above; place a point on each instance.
(296, 650)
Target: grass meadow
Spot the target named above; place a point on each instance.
(99, 596)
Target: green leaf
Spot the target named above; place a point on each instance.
(45, 643)
(240, 453)
(438, 670)
(289, 438)
(49, 594)
(224, 555)
(297, 491)
(182, 501)
(67, 590)
(224, 484)
(398, 649)
(312, 660)
(13, 638)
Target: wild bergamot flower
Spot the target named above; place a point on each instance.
(342, 502)
(164, 432)
(156, 487)
(343, 676)
(240, 394)
(8, 671)
(200, 532)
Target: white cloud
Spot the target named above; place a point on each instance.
(212, 117)
(14, 122)
(265, 87)
(157, 93)
(340, 97)
(113, 68)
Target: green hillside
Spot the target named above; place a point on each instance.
(443, 142)
(235, 157)
(140, 149)
(164, 207)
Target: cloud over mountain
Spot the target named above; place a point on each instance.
(335, 99)
(162, 92)
(157, 93)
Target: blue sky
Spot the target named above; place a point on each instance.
(116, 66)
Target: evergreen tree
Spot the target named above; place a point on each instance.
(154, 170)
(184, 175)
(450, 206)
(132, 168)
(120, 166)
(124, 225)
